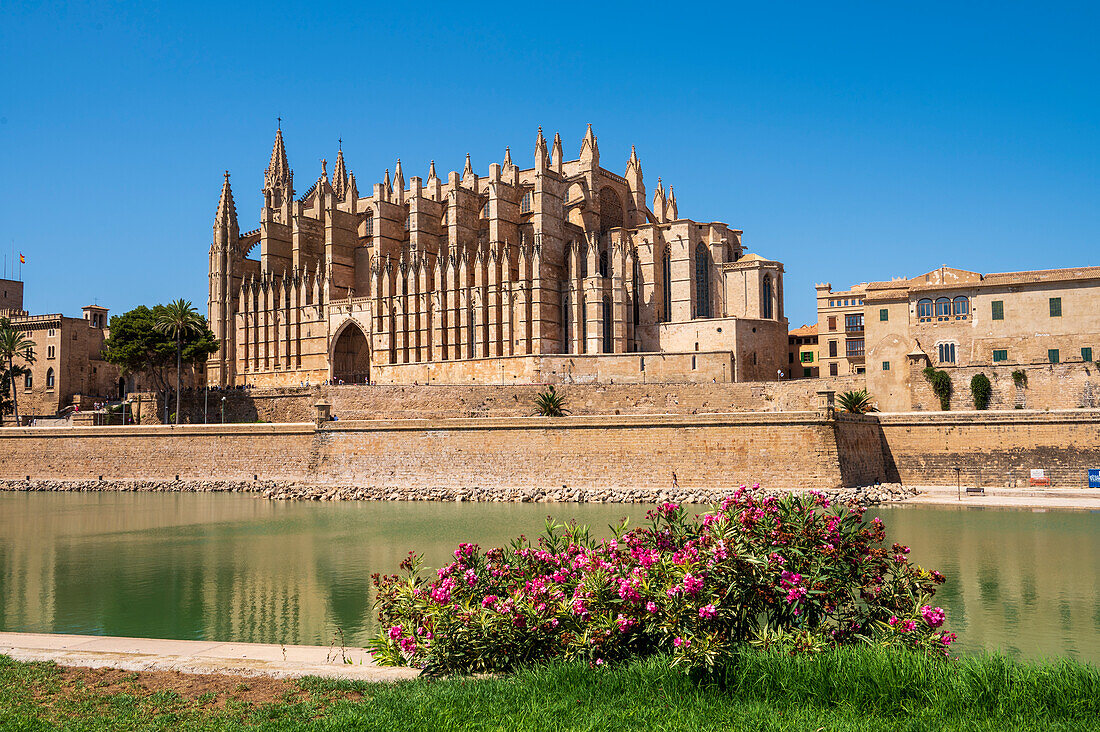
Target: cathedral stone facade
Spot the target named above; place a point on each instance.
(560, 272)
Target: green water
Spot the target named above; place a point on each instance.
(233, 567)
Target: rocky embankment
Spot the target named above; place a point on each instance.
(288, 490)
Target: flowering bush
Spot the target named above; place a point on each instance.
(793, 573)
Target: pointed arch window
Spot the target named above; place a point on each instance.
(607, 345)
(49, 378)
(369, 224)
(636, 293)
(702, 281)
(766, 293)
(525, 202)
(666, 285)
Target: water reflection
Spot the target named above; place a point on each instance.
(230, 567)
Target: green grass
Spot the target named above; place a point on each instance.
(854, 689)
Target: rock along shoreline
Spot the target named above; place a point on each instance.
(296, 491)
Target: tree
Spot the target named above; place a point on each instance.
(13, 345)
(856, 402)
(179, 318)
(550, 404)
(136, 346)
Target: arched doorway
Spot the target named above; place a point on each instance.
(121, 388)
(351, 356)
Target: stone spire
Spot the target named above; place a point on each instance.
(278, 170)
(659, 201)
(590, 152)
(507, 158)
(633, 162)
(431, 171)
(556, 155)
(670, 207)
(469, 169)
(541, 157)
(386, 185)
(227, 210)
(398, 176)
(340, 175)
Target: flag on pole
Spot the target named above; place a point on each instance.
(22, 259)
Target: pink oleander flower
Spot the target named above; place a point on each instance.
(948, 638)
(708, 611)
(396, 632)
(692, 584)
(933, 616)
(893, 620)
(908, 626)
(681, 642)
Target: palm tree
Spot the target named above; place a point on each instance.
(13, 344)
(856, 402)
(179, 319)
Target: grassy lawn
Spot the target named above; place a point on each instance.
(861, 689)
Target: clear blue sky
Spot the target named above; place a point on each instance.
(851, 142)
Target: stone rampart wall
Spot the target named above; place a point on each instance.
(711, 452)
(1050, 386)
(991, 448)
(452, 401)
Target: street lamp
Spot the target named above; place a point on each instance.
(223, 410)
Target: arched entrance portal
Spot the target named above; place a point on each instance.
(351, 356)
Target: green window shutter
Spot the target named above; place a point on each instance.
(1052, 355)
(885, 365)
(998, 310)
(884, 315)
(1055, 307)
(1086, 354)
(807, 373)
(1000, 355)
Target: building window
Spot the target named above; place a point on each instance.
(807, 357)
(1000, 355)
(832, 369)
(807, 373)
(1052, 355)
(943, 308)
(605, 270)
(408, 218)
(525, 202)
(832, 349)
(607, 346)
(885, 365)
(946, 352)
(767, 290)
(998, 310)
(853, 347)
(853, 323)
(790, 358)
(52, 332)
(1055, 307)
(924, 310)
(368, 225)
(702, 281)
(832, 323)
(883, 315)
(666, 276)
(961, 307)
(49, 378)
(50, 351)
(1086, 354)
(28, 381)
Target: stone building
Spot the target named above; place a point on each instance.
(962, 322)
(803, 353)
(562, 271)
(69, 368)
(840, 330)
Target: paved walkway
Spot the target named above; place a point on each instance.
(198, 657)
(1082, 499)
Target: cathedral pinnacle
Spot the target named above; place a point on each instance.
(469, 169)
(340, 174)
(431, 171)
(556, 156)
(227, 210)
(589, 141)
(278, 170)
(507, 157)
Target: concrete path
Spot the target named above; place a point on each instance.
(1083, 499)
(198, 657)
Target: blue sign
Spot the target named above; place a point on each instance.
(1094, 477)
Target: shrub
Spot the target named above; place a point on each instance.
(941, 386)
(856, 402)
(792, 574)
(981, 390)
(1019, 378)
(550, 404)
